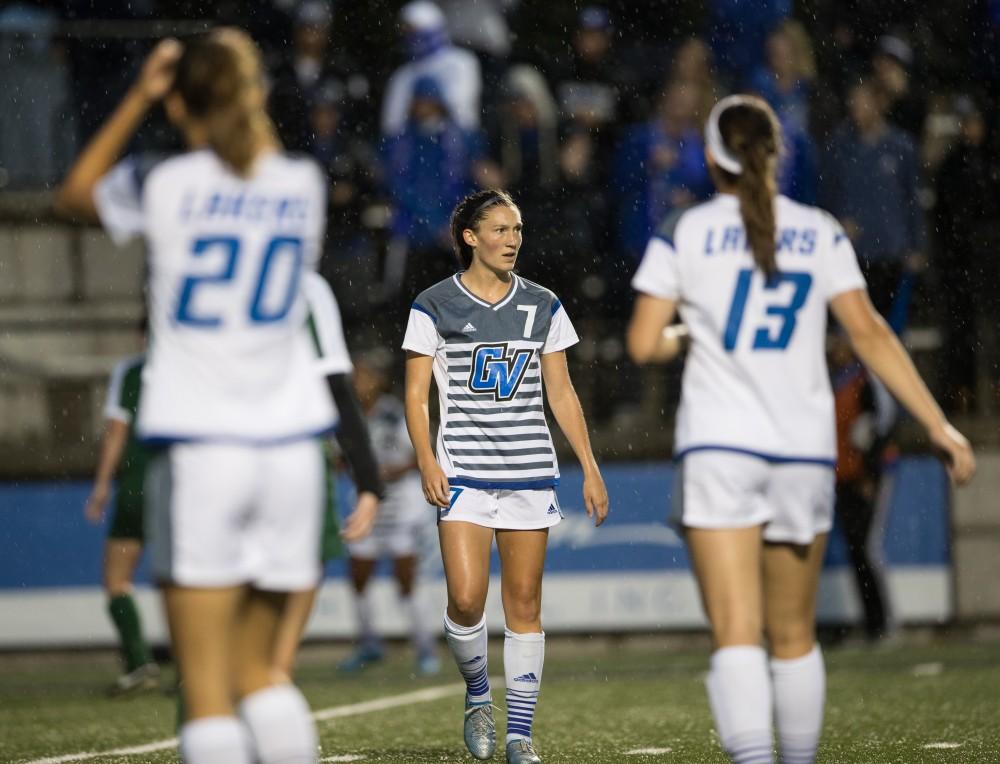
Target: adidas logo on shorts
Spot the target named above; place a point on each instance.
(552, 510)
(468, 329)
(529, 677)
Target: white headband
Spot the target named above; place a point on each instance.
(713, 138)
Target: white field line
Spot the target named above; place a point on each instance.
(647, 751)
(345, 757)
(943, 746)
(334, 712)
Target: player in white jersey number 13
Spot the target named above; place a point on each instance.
(230, 389)
(753, 275)
(490, 338)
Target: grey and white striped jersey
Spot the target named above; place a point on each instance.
(487, 368)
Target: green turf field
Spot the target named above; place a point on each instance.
(602, 700)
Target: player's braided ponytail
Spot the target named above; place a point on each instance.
(220, 79)
(468, 213)
(744, 136)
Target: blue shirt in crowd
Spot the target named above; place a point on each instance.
(874, 183)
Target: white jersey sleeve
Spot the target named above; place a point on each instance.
(561, 332)
(327, 327)
(658, 274)
(113, 408)
(118, 198)
(841, 272)
(421, 334)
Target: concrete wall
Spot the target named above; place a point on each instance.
(69, 305)
(976, 526)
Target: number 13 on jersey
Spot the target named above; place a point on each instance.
(764, 338)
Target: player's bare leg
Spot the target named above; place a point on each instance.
(522, 558)
(465, 550)
(298, 608)
(278, 717)
(728, 565)
(202, 631)
(369, 648)
(798, 677)
(121, 558)
(405, 571)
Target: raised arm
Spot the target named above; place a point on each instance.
(418, 424)
(879, 349)
(569, 416)
(75, 196)
(651, 338)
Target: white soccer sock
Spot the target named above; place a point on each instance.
(215, 740)
(739, 691)
(799, 693)
(281, 725)
(366, 624)
(468, 645)
(523, 657)
(422, 639)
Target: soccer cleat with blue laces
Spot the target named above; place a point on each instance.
(480, 730)
(521, 751)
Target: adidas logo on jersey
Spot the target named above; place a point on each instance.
(468, 329)
(529, 677)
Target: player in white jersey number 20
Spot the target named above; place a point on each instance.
(230, 387)
(753, 274)
(490, 338)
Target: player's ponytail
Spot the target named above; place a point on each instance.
(744, 136)
(220, 79)
(467, 215)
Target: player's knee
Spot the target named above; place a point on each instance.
(115, 586)
(737, 630)
(524, 606)
(791, 639)
(466, 608)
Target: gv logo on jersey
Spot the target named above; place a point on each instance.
(498, 371)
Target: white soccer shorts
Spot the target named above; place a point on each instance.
(503, 509)
(223, 515)
(719, 489)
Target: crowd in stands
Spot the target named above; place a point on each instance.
(592, 117)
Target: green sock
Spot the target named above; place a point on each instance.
(125, 615)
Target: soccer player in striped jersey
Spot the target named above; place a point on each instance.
(230, 389)
(124, 459)
(753, 275)
(489, 338)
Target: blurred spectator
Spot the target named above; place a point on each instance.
(786, 79)
(525, 141)
(312, 62)
(37, 126)
(866, 415)
(693, 67)
(429, 167)
(738, 32)
(594, 90)
(967, 219)
(905, 105)
(660, 167)
(348, 161)
(481, 25)
(432, 55)
(798, 171)
(870, 183)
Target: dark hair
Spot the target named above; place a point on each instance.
(752, 133)
(468, 213)
(220, 79)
